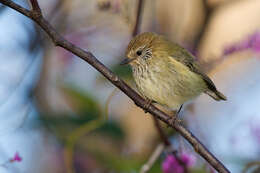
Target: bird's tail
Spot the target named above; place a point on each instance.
(216, 95)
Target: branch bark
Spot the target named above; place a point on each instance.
(35, 6)
(36, 15)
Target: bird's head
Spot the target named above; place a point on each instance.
(140, 49)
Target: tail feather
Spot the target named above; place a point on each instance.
(216, 95)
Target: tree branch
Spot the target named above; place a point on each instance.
(58, 40)
(35, 6)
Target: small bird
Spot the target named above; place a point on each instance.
(165, 73)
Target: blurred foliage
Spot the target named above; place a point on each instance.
(87, 110)
(82, 101)
(62, 124)
(104, 143)
(123, 71)
(120, 163)
(253, 167)
(111, 129)
(198, 171)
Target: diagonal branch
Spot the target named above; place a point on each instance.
(58, 40)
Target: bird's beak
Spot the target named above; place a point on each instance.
(127, 61)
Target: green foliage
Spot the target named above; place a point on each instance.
(111, 129)
(88, 109)
(124, 72)
(156, 168)
(120, 163)
(199, 171)
(62, 125)
(84, 101)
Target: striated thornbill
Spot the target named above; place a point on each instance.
(166, 73)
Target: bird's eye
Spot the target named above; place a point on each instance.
(139, 52)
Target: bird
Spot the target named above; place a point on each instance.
(166, 73)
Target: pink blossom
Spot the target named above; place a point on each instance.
(16, 158)
(256, 42)
(171, 164)
(188, 159)
(252, 42)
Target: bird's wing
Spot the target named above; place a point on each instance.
(187, 59)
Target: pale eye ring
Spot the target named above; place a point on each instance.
(139, 52)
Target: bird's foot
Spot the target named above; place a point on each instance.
(147, 105)
(173, 120)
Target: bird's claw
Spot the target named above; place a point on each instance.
(147, 105)
(173, 120)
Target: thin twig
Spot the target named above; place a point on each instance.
(175, 153)
(168, 144)
(161, 133)
(111, 95)
(138, 17)
(157, 152)
(74, 137)
(159, 149)
(58, 40)
(35, 6)
(208, 14)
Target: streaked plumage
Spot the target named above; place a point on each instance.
(167, 73)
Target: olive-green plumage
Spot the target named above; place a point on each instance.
(166, 73)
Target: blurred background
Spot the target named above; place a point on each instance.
(58, 114)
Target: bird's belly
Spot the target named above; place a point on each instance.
(169, 90)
